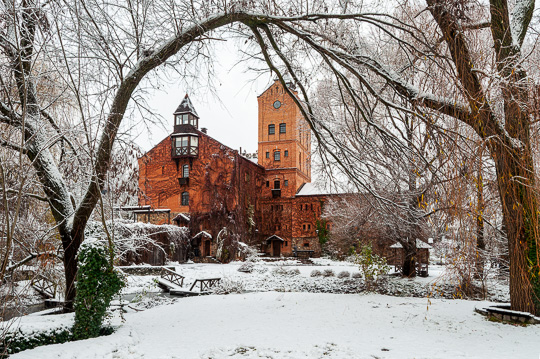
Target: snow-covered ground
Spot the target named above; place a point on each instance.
(266, 277)
(304, 325)
(286, 313)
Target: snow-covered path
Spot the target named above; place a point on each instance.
(304, 325)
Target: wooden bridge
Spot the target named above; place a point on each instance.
(173, 283)
(44, 286)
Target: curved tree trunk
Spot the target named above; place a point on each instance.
(515, 175)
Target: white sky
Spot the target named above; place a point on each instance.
(231, 118)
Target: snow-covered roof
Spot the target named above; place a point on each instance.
(419, 244)
(183, 134)
(203, 233)
(314, 189)
(186, 107)
(274, 238)
(182, 216)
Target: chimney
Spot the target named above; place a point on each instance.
(204, 130)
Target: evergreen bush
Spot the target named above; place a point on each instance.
(97, 283)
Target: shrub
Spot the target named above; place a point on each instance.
(328, 273)
(97, 283)
(247, 267)
(344, 274)
(17, 341)
(371, 265)
(280, 271)
(316, 273)
(228, 286)
(294, 272)
(357, 275)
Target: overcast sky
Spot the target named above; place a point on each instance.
(231, 118)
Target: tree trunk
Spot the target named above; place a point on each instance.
(480, 241)
(515, 175)
(409, 262)
(71, 243)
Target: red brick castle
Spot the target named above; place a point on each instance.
(193, 180)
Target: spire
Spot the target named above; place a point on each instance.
(186, 107)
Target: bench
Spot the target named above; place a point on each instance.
(422, 269)
(303, 253)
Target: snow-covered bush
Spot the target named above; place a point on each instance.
(328, 273)
(315, 273)
(17, 341)
(228, 286)
(280, 271)
(371, 265)
(344, 274)
(357, 275)
(294, 272)
(247, 267)
(97, 283)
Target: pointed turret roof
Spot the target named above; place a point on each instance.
(186, 106)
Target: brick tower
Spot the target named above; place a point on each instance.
(284, 142)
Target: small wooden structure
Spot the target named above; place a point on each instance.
(170, 279)
(273, 244)
(44, 286)
(422, 257)
(173, 283)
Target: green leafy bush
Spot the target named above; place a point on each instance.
(97, 283)
(371, 265)
(17, 341)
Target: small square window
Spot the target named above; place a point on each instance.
(271, 129)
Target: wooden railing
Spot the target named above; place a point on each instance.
(44, 286)
(205, 284)
(172, 277)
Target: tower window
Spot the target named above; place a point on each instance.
(276, 184)
(277, 156)
(267, 154)
(185, 171)
(271, 129)
(267, 183)
(286, 154)
(282, 128)
(185, 198)
(286, 183)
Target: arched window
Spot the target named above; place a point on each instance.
(185, 171)
(185, 198)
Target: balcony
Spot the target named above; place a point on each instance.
(183, 181)
(187, 151)
(276, 193)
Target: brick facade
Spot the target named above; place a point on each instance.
(191, 173)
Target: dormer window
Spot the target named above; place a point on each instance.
(186, 119)
(185, 114)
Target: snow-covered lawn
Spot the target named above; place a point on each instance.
(286, 313)
(305, 325)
